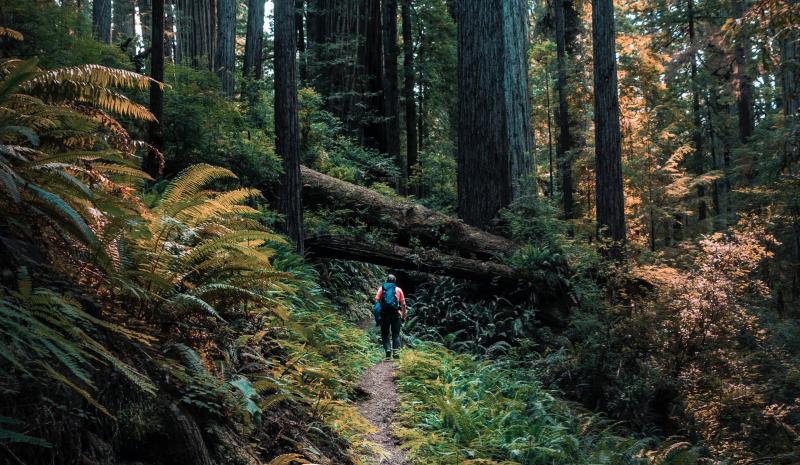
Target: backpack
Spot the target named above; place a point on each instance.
(389, 301)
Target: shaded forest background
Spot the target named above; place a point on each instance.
(594, 207)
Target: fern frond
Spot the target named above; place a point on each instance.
(11, 34)
(288, 459)
(191, 181)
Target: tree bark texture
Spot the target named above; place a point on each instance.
(287, 132)
(408, 89)
(155, 160)
(101, 20)
(495, 141)
(226, 44)
(124, 21)
(608, 164)
(195, 33)
(188, 432)
(564, 143)
(395, 256)
(169, 28)
(430, 227)
(391, 96)
(254, 40)
(698, 162)
(743, 82)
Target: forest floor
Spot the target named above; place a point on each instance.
(379, 407)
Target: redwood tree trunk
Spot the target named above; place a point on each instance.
(226, 44)
(408, 89)
(124, 22)
(287, 133)
(494, 133)
(374, 133)
(564, 144)
(743, 84)
(391, 100)
(101, 20)
(254, 39)
(301, 38)
(195, 33)
(699, 165)
(608, 164)
(155, 161)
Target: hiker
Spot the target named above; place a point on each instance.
(392, 303)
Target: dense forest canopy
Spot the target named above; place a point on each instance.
(593, 207)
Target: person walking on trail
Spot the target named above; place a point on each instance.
(392, 303)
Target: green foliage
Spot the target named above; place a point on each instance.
(455, 408)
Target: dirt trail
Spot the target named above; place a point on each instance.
(378, 382)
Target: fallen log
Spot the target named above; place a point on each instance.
(430, 227)
(395, 256)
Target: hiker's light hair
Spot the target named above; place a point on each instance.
(391, 278)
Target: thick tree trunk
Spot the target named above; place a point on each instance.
(101, 20)
(608, 164)
(155, 160)
(124, 21)
(188, 432)
(254, 40)
(432, 228)
(743, 84)
(195, 33)
(226, 44)
(287, 132)
(699, 165)
(391, 97)
(564, 137)
(494, 131)
(408, 90)
(145, 19)
(395, 256)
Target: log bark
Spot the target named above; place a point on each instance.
(432, 228)
(395, 256)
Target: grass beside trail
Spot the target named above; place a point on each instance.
(456, 409)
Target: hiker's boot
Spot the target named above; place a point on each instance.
(388, 355)
(396, 354)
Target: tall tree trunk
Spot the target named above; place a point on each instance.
(226, 44)
(287, 133)
(608, 163)
(301, 38)
(195, 33)
(408, 90)
(564, 144)
(374, 130)
(101, 20)
(155, 160)
(698, 162)
(790, 71)
(145, 20)
(124, 22)
(254, 40)
(743, 84)
(391, 100)
(494, 129)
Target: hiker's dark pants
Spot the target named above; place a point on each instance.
(390, 322)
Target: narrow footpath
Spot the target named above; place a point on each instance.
(379, 407)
